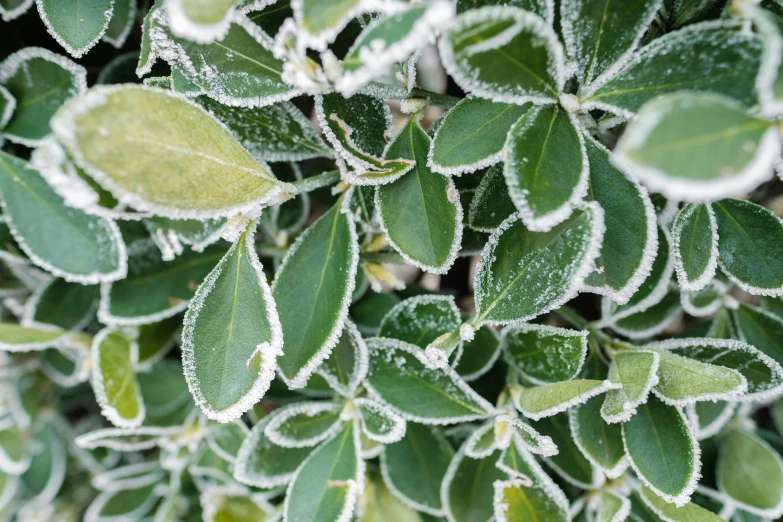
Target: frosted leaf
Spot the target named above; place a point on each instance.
(695, 246)
(114, 359)
(392, 39)
(653, 321)
(550, 399)
(378, 422)
(127, 439)
(637, 373)
(346, 366)
(201, 21)
(304, 424)
(709, 418)
(13, 10)
(477, 53)
(545, 354)
(76, 30)
(15, 338)
(481, 443)
(528, 437)
(128, 476)
(516, 500)
(420, 320)
(7, 106)
(122, 21)
(707, 301)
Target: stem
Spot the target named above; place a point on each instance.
(571, 317)
(396, 92)
(318, 181)
(382, 257)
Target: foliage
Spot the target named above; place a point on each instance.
(311, 260)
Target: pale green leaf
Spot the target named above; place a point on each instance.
(695, 246)
(201, 21)
(689, 512)
(684, 381)
(550, 399)
(637, 372)
(14, 451)
(15, 338)
(114, 379)
(380, 505)
(516, 501)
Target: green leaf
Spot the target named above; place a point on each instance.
(467, 491)
(201, 21)
(541, 8)
(320, 22)
(611, 507)
(147, 54)
(15, 338)
(317, 275)
(40, 81)
(114, 379)
(546, 166)
(698, 147)
(523, 274)
(601, 443)
(278, 132)
(599, 34)
(124, 136)
(570, 463)
(432, 396)
(69, 306)
(76, 28)
(414, 467)
(121, 23)
(750, 250)
(388, 40)
(136, 501)
(239, 70)
(238, 507)
(719, 57)
(695, 246)
(7, 107)
(346, 366)
(304, 424)
(652, 321)
(750, 471)
(14, 457)
(491, 204)
(155, 289)
(156, 339)
(328, 481)
(382, 505)
(231, 329)
(685, 381)
(761, 329)
(264, 464)
(472, 135)
(44, 477)
(709, 418)
(421, 319)
(10, 10)
(762, 373)
(631, 238)
(368, 118)
(378, 422)
(662, 450)
(514, 500)
(127, 439)
(550, 399)
(479, 355)
(60, 239)
(427, 229)
(637, 372)
(689, 512)
(545, 354)
(504, 54)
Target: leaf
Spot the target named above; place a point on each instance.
(126, 439)
(546, 166)
(62, 240)
(762, 373)
(263, 464)
(550, 399)
(392, 39)
(381, 505)
(201, 21)
(523, 274)
(420, 320)
(631, 238)
(76, 29)
(685, 381)
(278, 132)
(427, 229)
(15, 338)
(689, 512)
(750, 250)
(600, 35)
(147, 53)
(491, 204)
(662, 450)
(231, 329)
(524, 435)
(347, 365)
(515, 501)
(137, 501)
(482, 442)
(472, 135)
(750, 472)
(117, 135)
(65, 305)
(637, 372)
(367, 117)
(46, 473)
(612, 507)
(154, 289)
(304, 424)
(240, 70)
(652, 321)
(709, 418)
(698, 147)
(545, 354)
(317, 274)
(717, 56)
(14, 457)
(413, 468)
(479, 355)
(482, 52)
(156, 340)
(328, 482)
(320, 22)
(401, 381)
(378, 422)
(114, 379)
(569, 462)
(234, 505)
(10, 10)
(7, 107)
(467, 492)
(226, 439)
(40, 81)
(121, 23)
(695, 246)
(601, 443)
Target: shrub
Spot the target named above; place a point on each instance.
(368, 260)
